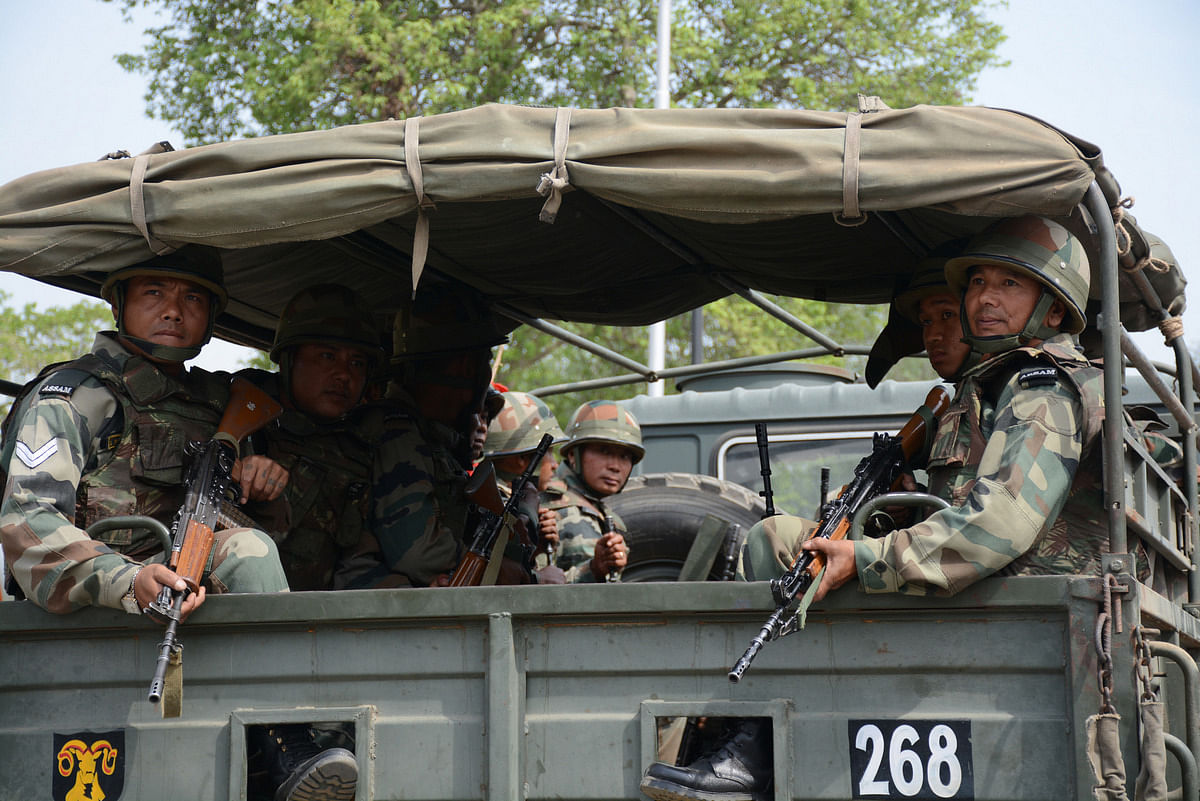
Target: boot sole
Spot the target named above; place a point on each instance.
(662, 790)
(329, 777)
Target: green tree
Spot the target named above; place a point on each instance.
(251, 67)
(31, 338)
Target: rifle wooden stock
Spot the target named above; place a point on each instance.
(483, 491)
(191, 559)
(470, 570)
(249, 409)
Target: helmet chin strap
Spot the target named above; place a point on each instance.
(1035, 328)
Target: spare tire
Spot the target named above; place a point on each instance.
(664, 511)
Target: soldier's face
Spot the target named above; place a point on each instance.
(999, 301)
(941, 332)
(328, 380)
(605, 468)
(166, 311)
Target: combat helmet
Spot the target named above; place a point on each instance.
(441, 321)
(928, 279)
(520, 426)
(604, 421)
(327, 313)
(199, 264)
(1045, 251)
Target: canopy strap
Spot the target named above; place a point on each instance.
(137, 205)
(851, 213)
(412, 163)
(554, 184)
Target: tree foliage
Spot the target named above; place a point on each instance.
(31, 338)
(252, 67)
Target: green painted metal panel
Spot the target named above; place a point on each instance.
(553, 692)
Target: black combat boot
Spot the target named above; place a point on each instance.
(300, 771)
(738, 770)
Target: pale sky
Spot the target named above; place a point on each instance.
(1124, 76)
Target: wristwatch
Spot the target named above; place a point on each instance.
(129, 599)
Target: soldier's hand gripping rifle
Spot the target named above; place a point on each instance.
(209, 479)
(874, 475)
(472, 566)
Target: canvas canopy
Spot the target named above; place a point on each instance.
(657, 211)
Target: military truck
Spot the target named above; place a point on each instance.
(626, 216)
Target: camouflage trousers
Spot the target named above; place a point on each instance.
(771, 546)
(243, 560)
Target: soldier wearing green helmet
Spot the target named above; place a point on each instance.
(104, 435)
(512, 437)
(604, 442)
(1016, 455)
(421, 518)
(326, 345)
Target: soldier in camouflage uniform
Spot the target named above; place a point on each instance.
(512, 438)
(604, 442)
(1017, 454)
(932, 308)
(326, 344)
(421, 518)
(104, 435)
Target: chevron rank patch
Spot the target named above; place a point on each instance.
(33, 457)
(1037, 376)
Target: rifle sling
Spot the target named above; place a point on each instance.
(497, 556)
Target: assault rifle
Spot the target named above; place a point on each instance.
(209, 480)
(473, 565)
(875, 474)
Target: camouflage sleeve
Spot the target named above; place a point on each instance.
(1023, 479)
(57, 565)
(406, 519)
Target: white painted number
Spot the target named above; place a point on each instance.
(905, 765)
(870, 739)
(943, 754)
(943, 773)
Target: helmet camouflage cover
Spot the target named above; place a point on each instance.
(520, 426)
(1040, 248)
(604, 421)
(327, 314)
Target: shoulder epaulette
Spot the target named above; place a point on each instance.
(63, 382)
(1039, 376)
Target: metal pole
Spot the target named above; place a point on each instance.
(657, 358)
(1114, 452)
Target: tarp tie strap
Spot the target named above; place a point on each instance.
(137, 205)
(412, 163)
(1171, 328)
(851, 215)
(553, 184)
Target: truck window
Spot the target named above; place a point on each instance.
(796, 462)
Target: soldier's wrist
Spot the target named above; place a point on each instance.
(129, 601)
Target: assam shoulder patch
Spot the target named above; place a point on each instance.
(1040, 376)
(62, 383)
